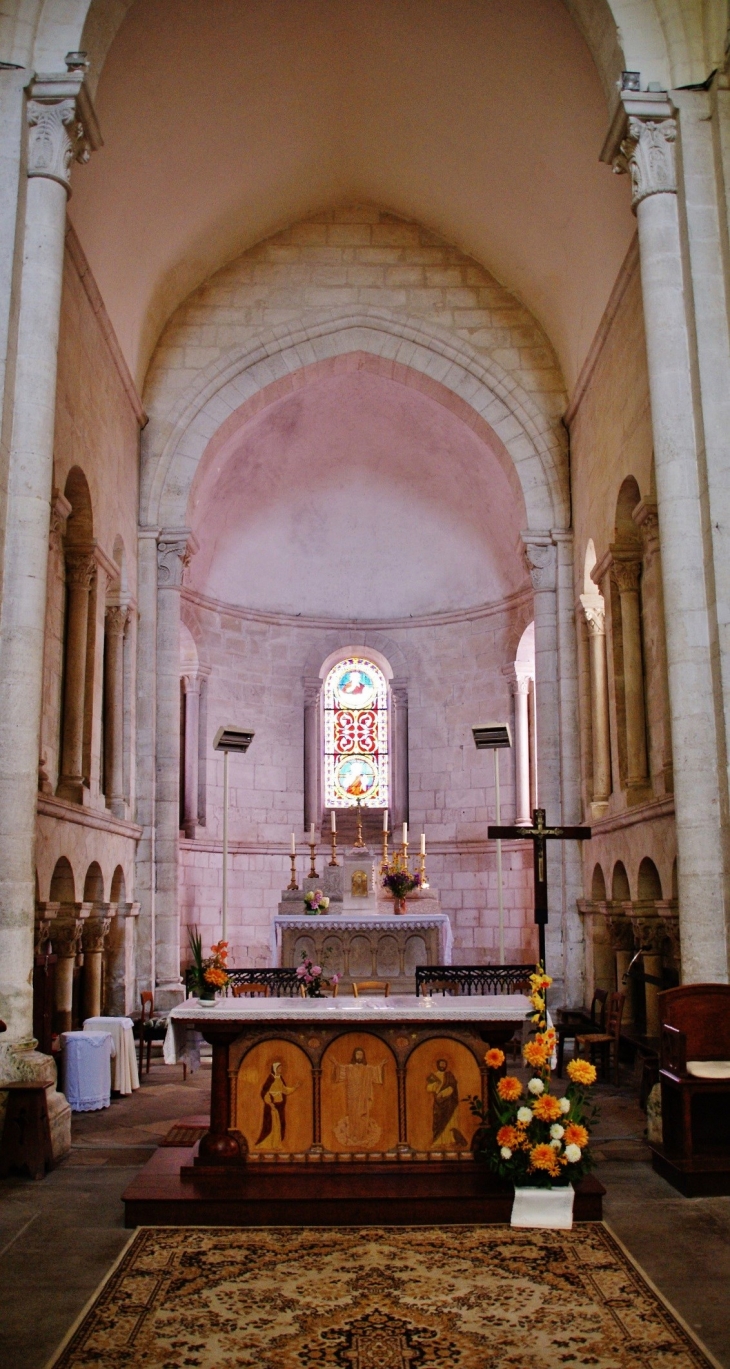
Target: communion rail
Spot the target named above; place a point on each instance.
(470, 979)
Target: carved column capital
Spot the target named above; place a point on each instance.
(647, 153)
(175, 550)
(399, 693)
(62, 127)
(60, 510)
(66, 937)
(541, 559)
(80, 568)
(594, 608)
(95, 932)
(620, 932)
(312, 688)
(626, 576)
(646, 517)
(116, 619)
(191, 682)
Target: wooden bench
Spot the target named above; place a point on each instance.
(694, 1076)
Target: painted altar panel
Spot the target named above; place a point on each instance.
(440, 1074)
(274, 1098)
(359, 1095)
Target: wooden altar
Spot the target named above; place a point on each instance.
(339, 1110)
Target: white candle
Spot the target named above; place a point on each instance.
(333, 822)
(311, 835)
(293, 845)
(423, 843)
(405, 833)
(385, 820)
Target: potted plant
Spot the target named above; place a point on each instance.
(537, 1138)
(311, 978)
(397, 878)
(316, 902)
(209, 973)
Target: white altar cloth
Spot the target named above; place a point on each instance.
(188, 1018)
(125, 1075)
(370, 922)
(87, 1076)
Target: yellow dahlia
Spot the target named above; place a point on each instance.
(575, 1135)
(509, 1136)
(493, 1059)
(582, 1072)
(535, 1053)
(543, 1157)
(546, 1108)
(509, 1088)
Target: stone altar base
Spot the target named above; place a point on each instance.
(352, 1193)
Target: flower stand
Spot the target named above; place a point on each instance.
(544, 1207)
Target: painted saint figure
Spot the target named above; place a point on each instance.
(444, 1087)
(357, 1127)
(274, 1095)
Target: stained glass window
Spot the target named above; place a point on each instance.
(356, 735)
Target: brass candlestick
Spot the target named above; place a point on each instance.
(422, 869)
(293, 881)
(359, 843)
(333, 836)
(312, 848)
(385, 846)
(405, 855)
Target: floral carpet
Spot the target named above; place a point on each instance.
(378, 1298)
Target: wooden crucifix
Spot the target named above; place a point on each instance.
(538, 834)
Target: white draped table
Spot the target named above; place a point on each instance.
(125, 1075)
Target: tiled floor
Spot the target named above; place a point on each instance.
(59, 1237)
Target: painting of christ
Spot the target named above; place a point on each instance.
(357, 1127)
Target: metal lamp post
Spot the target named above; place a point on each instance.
(495, 737)
(228, 739)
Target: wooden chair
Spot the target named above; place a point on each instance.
(327, 993)
(694, 1076)
(150, 1028)
(600, 1043)
(250, 991)
(370, 986)
(444, 986)
(570, 1021)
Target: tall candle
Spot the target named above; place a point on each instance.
(311, 834)
(293, 844)
(423, 843)
(405, 833)
(333, 822)
(385, 820)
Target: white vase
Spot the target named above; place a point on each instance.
(543, 1207)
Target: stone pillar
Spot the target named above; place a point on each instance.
(146, 701)
(66, 942)
(594, 610)
(94, 935)
(61, 128)
(80, 571)
(399, 788)
(622, 939)
(652, 604)
(115, 624)
(191, 686)
(174, 549)
(521, 690)
(647, 152)
(626, 574)
(312, 753)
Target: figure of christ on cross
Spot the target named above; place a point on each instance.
(538, 834)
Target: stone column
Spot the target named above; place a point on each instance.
(312, 753)
(80, 570)
(94, 935)
(652, 604)
(399, 788)
(622, 940)
(61, 128)
(115, 624)
(66, 942)
(521, 691)
(626, 574)
(647, 152)
(191, 686)
(594, 610)
(174, 549)
(146, 702)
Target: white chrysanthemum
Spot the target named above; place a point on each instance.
(506, 1153)
(536, 1086)
(555, 1145)
(564, 1104)
(524, 1115)
(556, 1131)
(572, 1154)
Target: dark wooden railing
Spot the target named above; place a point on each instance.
(281, 982)
(469, 979)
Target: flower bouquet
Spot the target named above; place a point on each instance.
(316, 901)
(209, 973)
(397, 878)
(311, 978)
(540, 1140)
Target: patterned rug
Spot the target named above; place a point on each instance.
(378, 1298)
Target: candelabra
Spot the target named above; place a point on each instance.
(312, 848)
(422, 869)
(359, 844)
(333, 838)
(385, 847)
(293, 881)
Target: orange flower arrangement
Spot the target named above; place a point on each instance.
(218, 978)
(509, 1088)
(494, 1058)
(547, 1108)
(575, 1135)
(582, 1072)
(510, 1136)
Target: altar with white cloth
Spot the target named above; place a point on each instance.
(367, 946)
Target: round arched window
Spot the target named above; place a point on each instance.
(356, 735)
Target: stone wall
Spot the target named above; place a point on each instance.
(455, 678)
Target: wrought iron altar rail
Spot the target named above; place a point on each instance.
(470, 979)
(280, 981)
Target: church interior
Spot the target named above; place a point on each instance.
(364, 489)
